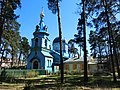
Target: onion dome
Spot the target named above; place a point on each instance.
(57, 39)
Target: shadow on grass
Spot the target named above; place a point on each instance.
(103, 83)
(71, 83)
(76, 83)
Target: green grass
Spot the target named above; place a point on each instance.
(72, 82)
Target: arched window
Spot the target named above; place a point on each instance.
(36, 42)
(50, 63)
(45, 42)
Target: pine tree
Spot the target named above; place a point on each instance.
(103, 14)
(7, 13)
(53, 5)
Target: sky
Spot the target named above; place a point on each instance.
(30, 17)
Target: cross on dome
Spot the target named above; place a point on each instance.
(42, 13)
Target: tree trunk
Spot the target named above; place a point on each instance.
(6, 55)
(110, 35)
(12, 59)
(19, 58)
(2, 55)
(85, 51)
(115, 55)
(60, 37)
(100, 58)
(1, 21)
(80, 50)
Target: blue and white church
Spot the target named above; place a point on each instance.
(41, 55)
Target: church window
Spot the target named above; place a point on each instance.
(74, 66)
(57, 67)
(81, 66)
(50, 62)
(45, 42)
(67, 66)
(36, 42)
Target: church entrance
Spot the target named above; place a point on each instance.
(35, 65)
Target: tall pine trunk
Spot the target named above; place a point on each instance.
(1, 21)
(116, 56)
(85, 51)
(19, 57)
(12, 59)
(110, 41)
(60, 37)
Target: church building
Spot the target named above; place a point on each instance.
(41, 55)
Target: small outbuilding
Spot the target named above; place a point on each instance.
(74, 64)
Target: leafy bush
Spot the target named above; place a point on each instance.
(31, 74)
(18, 73)
(18, 67)
(66, 72)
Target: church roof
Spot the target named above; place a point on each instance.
(47, 54)
(57, 39)
(73, 60)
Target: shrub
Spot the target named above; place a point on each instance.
(73, 72)
(19, 73)
(66, 72)
(97, 74)
(31, 74)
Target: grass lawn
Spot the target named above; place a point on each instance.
(71, 82)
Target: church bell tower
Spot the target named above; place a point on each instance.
(41, 34)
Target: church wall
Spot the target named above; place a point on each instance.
(40, 57)
(32, 43)
(56, 47)
(48, 44)
(29, 58)
(43, 42)
(63, 46)
(66, 48)
(42, 60)
(71, 67)
(40, 41)
(48, 64)
(56, 57)
(74, 66)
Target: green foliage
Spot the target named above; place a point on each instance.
(31, 74)
(71, 47)
(11, 38)
(73, 72)
(8, 8)
(18, 73)
(66, 71)
(3, 74)
(9, 27)
(52, 5)
(24, 48)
